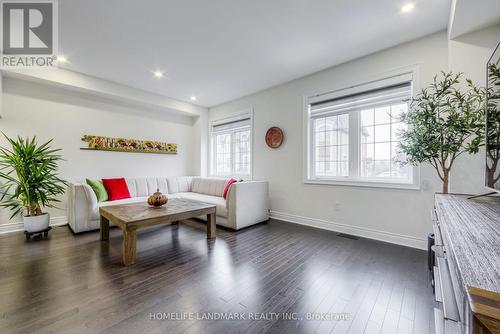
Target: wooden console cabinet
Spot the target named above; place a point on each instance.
(467, 270)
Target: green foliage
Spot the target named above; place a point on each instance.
(443, 123)
(30, 172)
(493, 129)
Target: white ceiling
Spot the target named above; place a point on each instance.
(220, 50)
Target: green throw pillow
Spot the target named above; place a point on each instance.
(100, 191)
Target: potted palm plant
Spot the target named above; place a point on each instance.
(29, 172)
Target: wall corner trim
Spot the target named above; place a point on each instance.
(364, 232)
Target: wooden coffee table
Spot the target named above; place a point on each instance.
(133, 216)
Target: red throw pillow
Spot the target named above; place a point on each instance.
(116, 188)
(228, 185)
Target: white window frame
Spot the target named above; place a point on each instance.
(354, 145)
(212, 148)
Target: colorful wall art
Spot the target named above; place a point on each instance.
(128, 145)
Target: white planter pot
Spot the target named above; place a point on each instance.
(36, 223)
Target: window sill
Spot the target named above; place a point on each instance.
(365, 184)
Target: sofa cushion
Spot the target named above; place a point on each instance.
(219, 202)
(141, 187)
(209, 185)
(99, 190)
(124, 201)
(179, 184)
(116, 188)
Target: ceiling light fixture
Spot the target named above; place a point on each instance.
(158, 74)
(193, 98)
(62, 59)
(408, 7)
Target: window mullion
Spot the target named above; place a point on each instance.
(354, 143)
(312, 148)
(213, 157)
(231, 151)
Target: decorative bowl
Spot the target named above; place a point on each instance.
(274, 137)
(157, 199)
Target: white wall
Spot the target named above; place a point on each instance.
(400, 216)
(48, 112)
(1, 89)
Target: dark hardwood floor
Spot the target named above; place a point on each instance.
(77, 284)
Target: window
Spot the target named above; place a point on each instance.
(231, 140)
(379, 140)
(332, 145)
(353, 134)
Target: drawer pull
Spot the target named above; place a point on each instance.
(434, 217)
(437, 286)
(438, 238)
(450, 308)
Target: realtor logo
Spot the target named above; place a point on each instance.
(29, 34)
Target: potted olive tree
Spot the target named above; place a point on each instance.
(493, 128)
(445, 120)
(30, 182)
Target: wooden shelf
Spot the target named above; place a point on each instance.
(123, 151)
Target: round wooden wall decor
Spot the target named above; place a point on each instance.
(274, 137)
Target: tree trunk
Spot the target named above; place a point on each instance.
(34, 209)
(490, 178)
(446, 180)
(38, 210)
(490, 182)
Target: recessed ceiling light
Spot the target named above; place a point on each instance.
(408, 7)
(158, 74)
(62, 59)
(193, 98)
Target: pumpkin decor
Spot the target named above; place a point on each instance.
(157, 199)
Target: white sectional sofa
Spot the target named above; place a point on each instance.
(247, 202)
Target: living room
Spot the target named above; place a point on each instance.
(249, 167)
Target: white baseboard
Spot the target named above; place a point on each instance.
(364, 232)
(15, 227)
